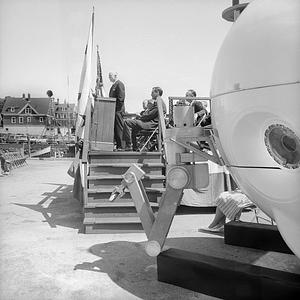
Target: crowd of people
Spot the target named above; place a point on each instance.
(128, 129)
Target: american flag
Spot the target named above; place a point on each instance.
(99, 81)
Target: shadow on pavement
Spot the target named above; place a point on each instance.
(127, 264)
(59, 208)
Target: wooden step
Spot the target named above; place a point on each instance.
(107, 181)
(120, 220)
(100, 195)
(113, 228)
(113, 210)
(129, 157)
(110, 212)
(121, 168)
(110, 189)
(126, 164)
(112, 225)
(118, 176)
(114, 204)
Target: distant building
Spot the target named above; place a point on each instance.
(2, 101)
(65, 117)
(34, 116)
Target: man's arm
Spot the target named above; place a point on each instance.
(149, 115)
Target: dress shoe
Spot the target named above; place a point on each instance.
(128, 149)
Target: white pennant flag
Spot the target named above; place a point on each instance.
(83, 96)
(85, 82)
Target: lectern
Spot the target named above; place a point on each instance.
(102, 127)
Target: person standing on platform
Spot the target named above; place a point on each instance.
(117, 91)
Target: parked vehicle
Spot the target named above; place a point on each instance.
(42, 139)
(22, 138)
(11, 138)
(33, 139)
(3, 137)
(51, 140)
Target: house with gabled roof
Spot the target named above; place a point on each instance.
(65, 117)
(26, 115)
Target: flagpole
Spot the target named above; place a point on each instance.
(83, 96)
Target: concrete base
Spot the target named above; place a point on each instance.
(254, 235)
(227, 279)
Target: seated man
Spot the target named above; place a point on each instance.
(200, 110)
(147, 120)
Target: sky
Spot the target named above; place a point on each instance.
(168, 43)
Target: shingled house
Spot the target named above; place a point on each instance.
(65, 117)
(34, 116)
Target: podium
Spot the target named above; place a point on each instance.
(102, 124)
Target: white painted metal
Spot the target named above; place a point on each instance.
(256, 83)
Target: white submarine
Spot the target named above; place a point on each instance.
(255, 94)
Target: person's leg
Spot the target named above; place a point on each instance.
(128, 124)
(139, 125)
(131, 128)
(218, 220)
(118, 129)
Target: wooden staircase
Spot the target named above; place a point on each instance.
(105, 172)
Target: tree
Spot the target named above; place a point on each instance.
(49, 93)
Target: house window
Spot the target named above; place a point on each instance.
(27, 110)
(13, 120)
(12, 109)
(21, 120)
(41, 119)
(28, 119)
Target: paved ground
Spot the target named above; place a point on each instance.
(44, 255)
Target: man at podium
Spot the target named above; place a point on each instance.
(117, 91)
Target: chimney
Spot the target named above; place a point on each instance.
(28, 97)
(23, 96)
(57, 100)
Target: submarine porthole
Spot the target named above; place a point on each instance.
(283, 145)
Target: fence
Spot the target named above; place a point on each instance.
(14, 159)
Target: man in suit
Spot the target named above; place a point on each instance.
(147, 120)
(117, 91)
(200, 111)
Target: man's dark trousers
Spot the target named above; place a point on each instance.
(118, 128)
(136, 126)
